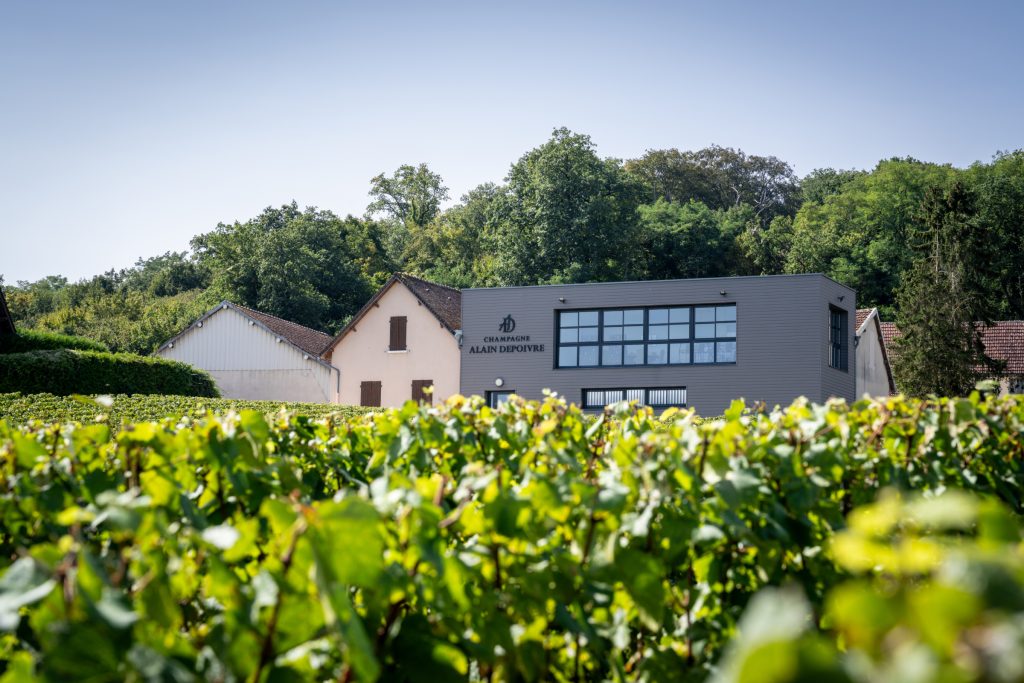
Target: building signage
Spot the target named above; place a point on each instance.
(507, 342)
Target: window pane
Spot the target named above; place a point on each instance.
(613, 334)
(613, 317)
(634, 354)
(726, 352)
(588, 355)
(679, 315)
(635, 395)
(704, 331)
(588, 318)
(570, 335)
(679, 331)
(634, 317)
(588, 334)
(705, 314)
(657, 316)
(679, 353)
(725, 330)
(726, 313)
(567, 356)
(569, 319)
(657, 354)
(657, 332)
(634, 333)
(704, 352)
(611, 355)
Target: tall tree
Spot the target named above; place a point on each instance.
(943, 300)
(304, 266)
(720, 177)
(570, 216)
(407, 200)
(688, 240)
(860, 235)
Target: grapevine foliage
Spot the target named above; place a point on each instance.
(458, 542)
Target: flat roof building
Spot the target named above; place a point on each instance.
(698, 343)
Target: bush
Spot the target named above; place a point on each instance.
(524, 543)
(44, 341)
(122, 409)
(64, 372)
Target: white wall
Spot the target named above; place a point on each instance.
(871, 376)
(248, 362)
(362, 354)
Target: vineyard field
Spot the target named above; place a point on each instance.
(879, 541)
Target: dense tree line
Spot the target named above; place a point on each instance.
(566, 214)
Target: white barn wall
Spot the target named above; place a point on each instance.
(248, 362)
(362, 354)
(872, 378)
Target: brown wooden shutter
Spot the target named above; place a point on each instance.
(418, 393)
(369, 394)
(397, 341)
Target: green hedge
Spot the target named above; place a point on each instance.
(528, 543)
(46, 341)
(64, 372)
(123, 409)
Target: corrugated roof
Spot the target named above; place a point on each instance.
(1004, 341)
(443, 302)
(309, 340)
(6, 321)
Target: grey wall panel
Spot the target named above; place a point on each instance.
(837, 382)
(781, 349)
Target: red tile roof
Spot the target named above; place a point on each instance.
(862, 315)
(1004, 341)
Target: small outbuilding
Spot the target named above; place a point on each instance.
(874, 373)
(402, 342)
(257, 356)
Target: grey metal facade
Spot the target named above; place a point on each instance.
(782, 340)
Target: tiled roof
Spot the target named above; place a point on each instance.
(309, 340)
(6, 321)
(862, 315)
(443, 301)
(1004, 341)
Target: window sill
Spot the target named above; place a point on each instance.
(402, 351)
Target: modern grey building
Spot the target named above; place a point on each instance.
(699, 343)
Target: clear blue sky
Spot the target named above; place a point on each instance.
(128, 127)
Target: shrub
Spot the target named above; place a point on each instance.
(64, 372)
(44, 341)
(122, 409)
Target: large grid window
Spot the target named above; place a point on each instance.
(659, 397)
(837, 339)
(666, 335)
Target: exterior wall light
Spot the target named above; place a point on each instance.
(279, 340)
(561, 299)
(199, 324)
(499, 382)
(252, 323)
(305, 357)
(722, 292)
(171, 345)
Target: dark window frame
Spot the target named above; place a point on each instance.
(491, 395)
(646, 392)
(645, 342)
(839, 349)
(418, 393)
